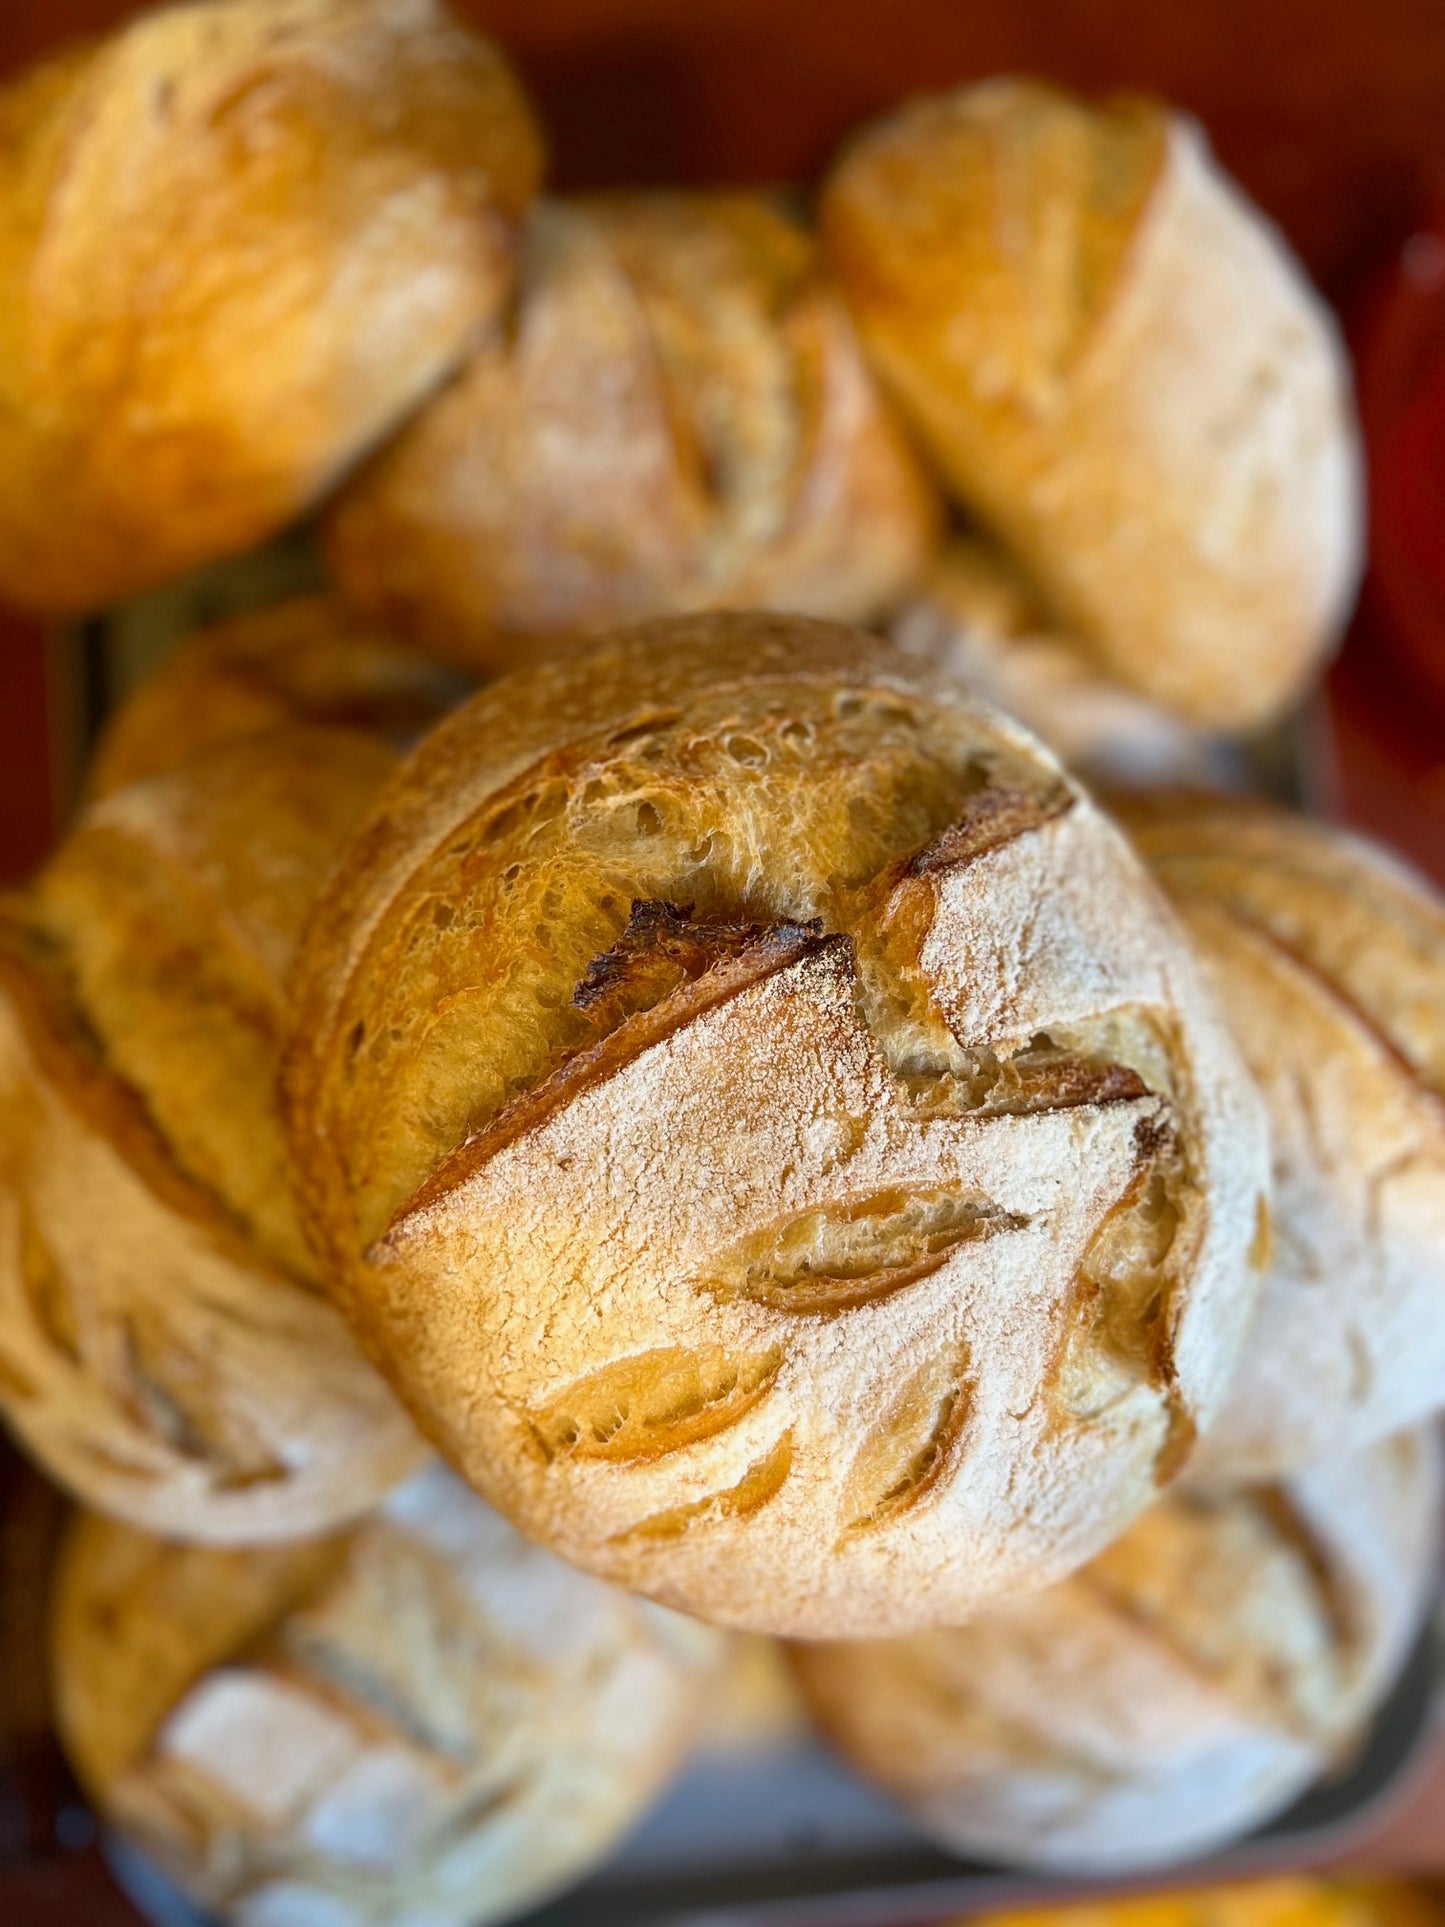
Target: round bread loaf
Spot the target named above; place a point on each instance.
(976, 618)
(307, 660)
(1111, 357)
(238, 243)
(1329, 961)
(425, 1720)
(163, 1350)
(771, 1131)
(1182, 1688)
(679, 419)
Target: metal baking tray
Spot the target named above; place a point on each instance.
(791, 1839)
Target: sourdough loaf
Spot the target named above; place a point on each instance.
(238, 244)
(1114, 361)
(426, 1719)
(771, 1131)
(163, 1348)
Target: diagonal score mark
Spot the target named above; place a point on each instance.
(762, 1481)
(836, 1258)
(767, 950)
(670, 968)
(639, 1409)
(911, 1447)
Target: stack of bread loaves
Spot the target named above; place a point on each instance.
(724, 1087)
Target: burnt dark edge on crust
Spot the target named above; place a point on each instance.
(772, 948)
(998, 814)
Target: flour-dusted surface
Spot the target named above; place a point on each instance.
(427, 1718)
(1114, 362)
(772, 1133)
(1178, 1691)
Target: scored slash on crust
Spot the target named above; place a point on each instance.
(749, 953)
(668, 969)
(762, 1481)
(830, 1260)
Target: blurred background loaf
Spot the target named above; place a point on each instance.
(679, 418)
(427, 1719)
(304, 659)
(1329, 960)
(1117, 366)
(237, 244)
(166, 1351)
(1182, 1687)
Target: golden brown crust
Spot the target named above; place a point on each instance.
(770, 1131)
(1329, 960)
(1177, 1691)
(427, 1718)
(178, 905)
(303, 661)
(162, 1350)
(237, 244)
(680, 419)
(1113, 361)
(149, 1358)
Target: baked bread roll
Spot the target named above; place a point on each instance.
(771, 1132)
(163, 1350)
(426, 1720)
(1113, 360)
(976, 618)
(238, 243)
(1180, 1690)
(679, 419)
(1329, 961)
(306, 660)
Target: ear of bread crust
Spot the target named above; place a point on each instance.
(1113, 361)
